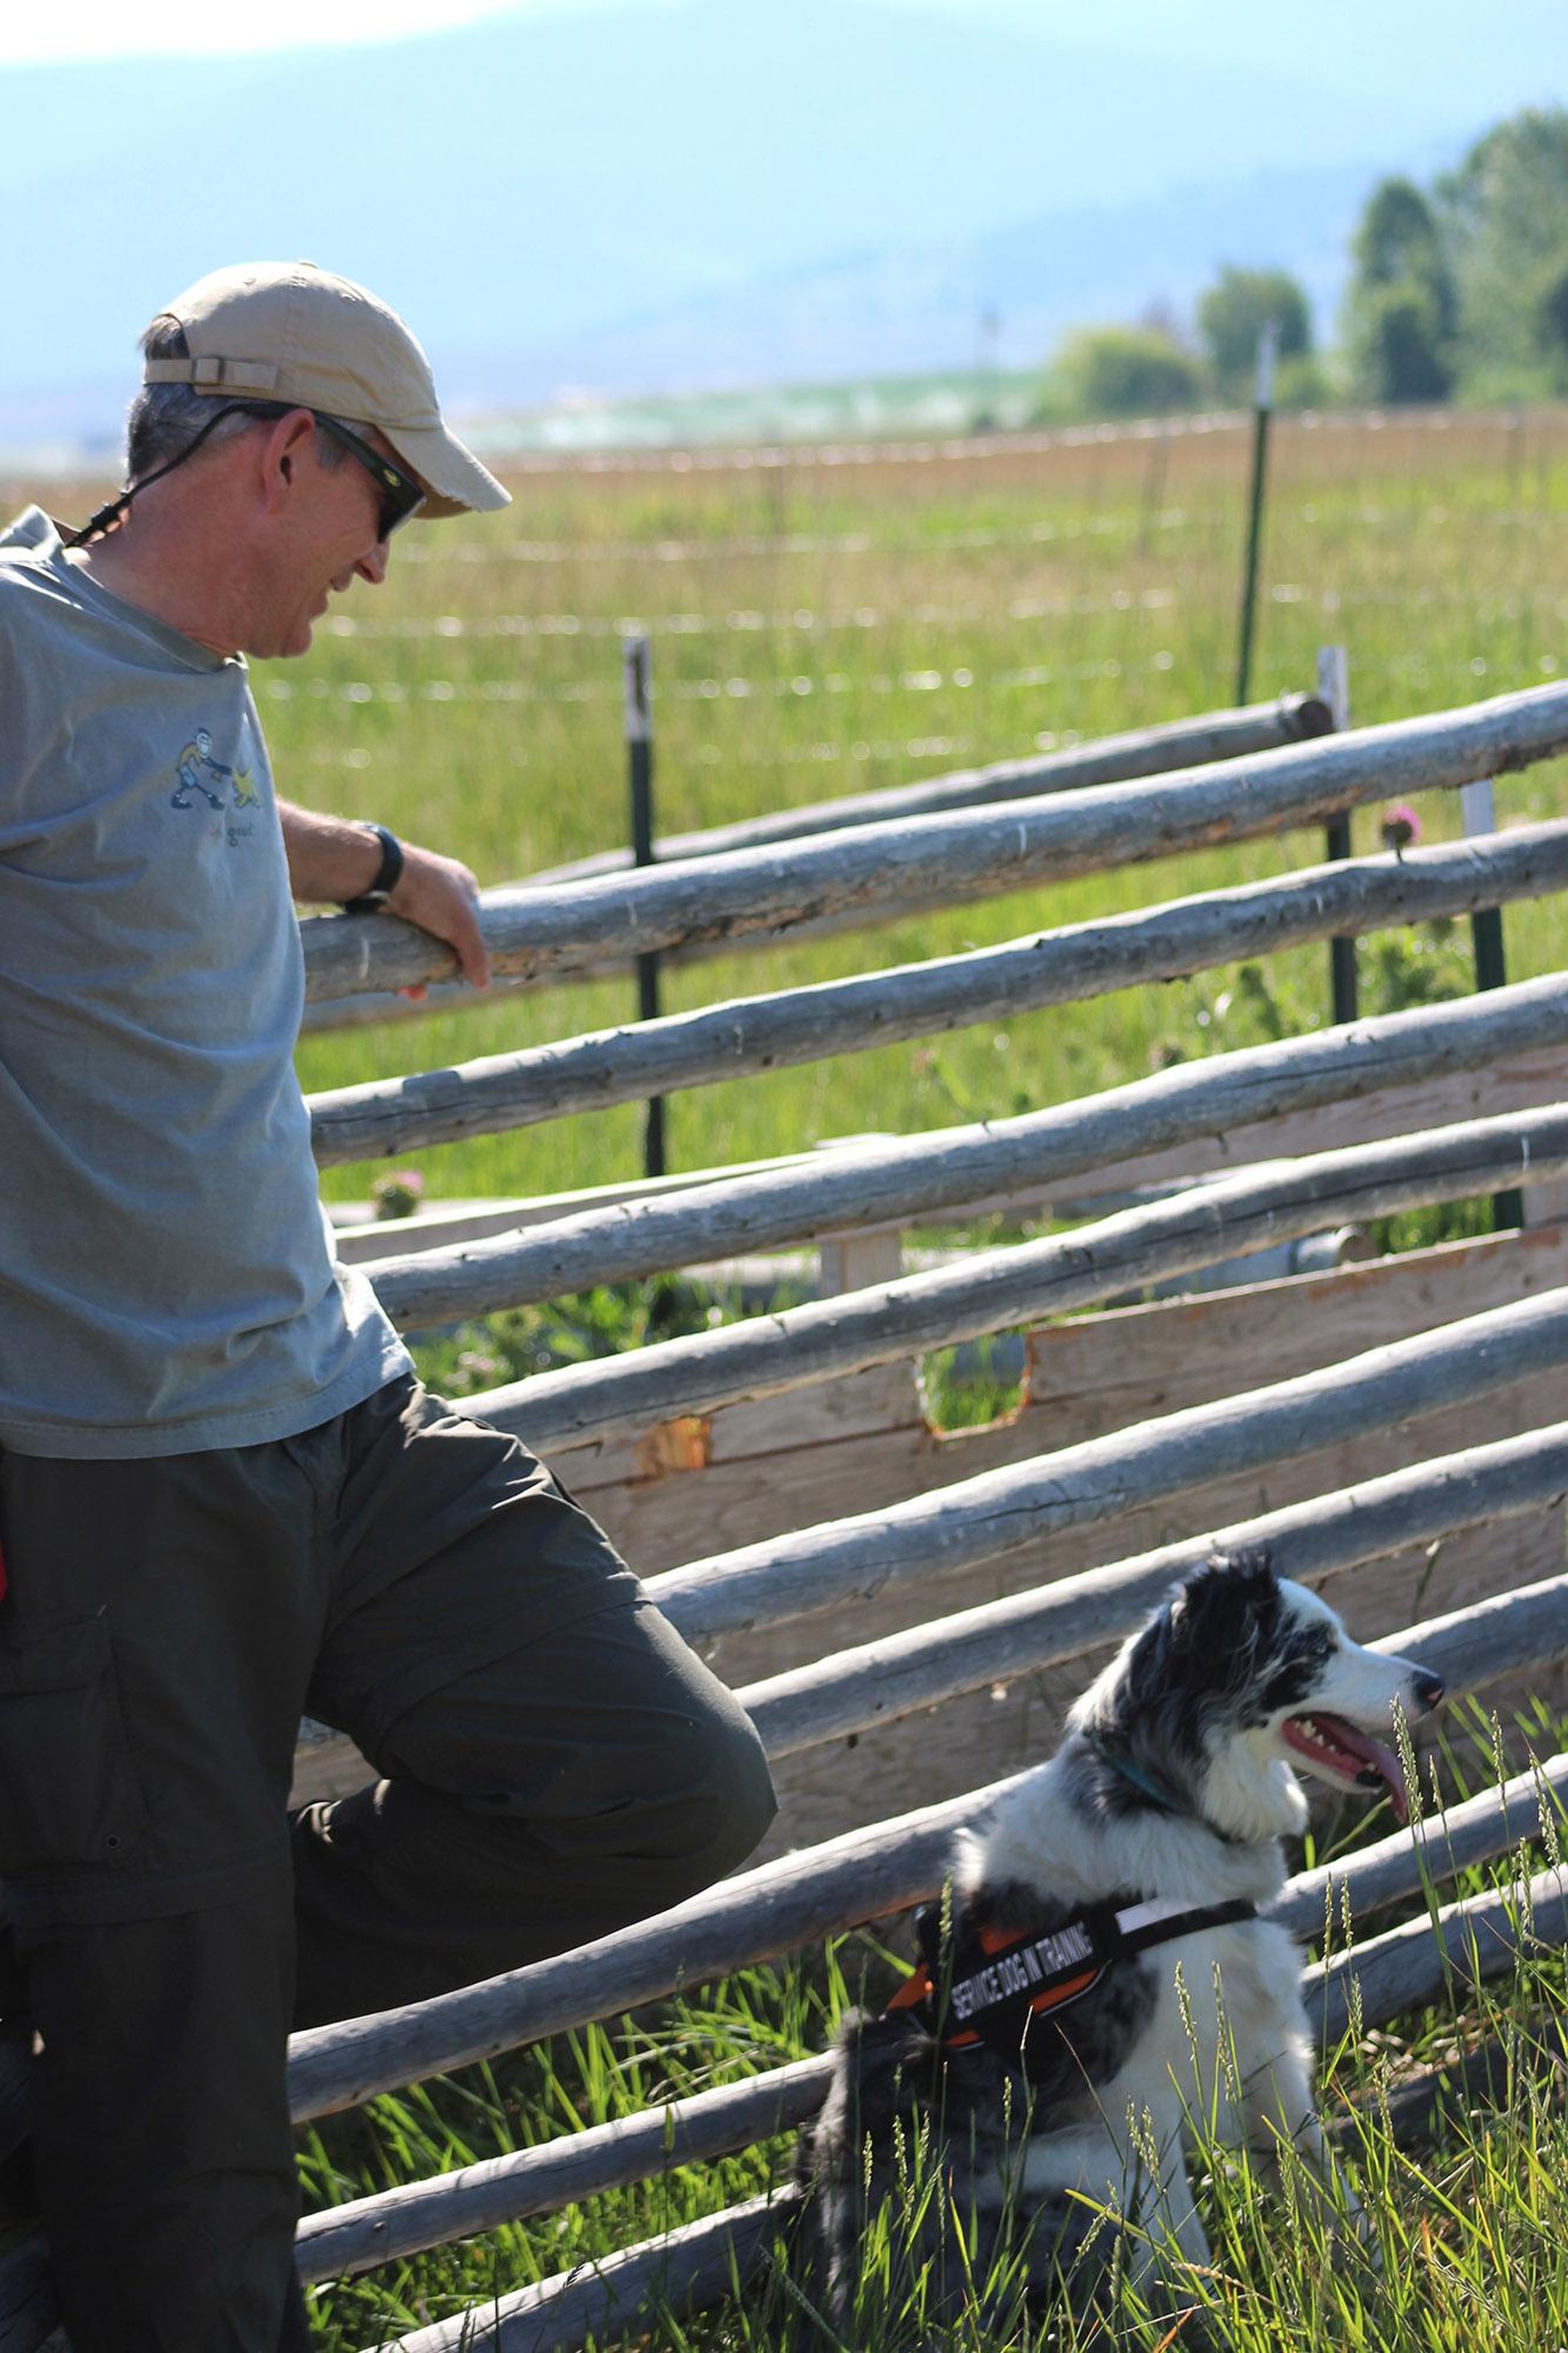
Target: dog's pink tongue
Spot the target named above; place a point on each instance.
(1375, 1755)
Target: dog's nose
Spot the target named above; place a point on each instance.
(1429, 1688)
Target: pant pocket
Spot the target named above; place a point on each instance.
(69, 1790)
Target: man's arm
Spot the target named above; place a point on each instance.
(331, 860)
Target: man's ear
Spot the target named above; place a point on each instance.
(278, 455)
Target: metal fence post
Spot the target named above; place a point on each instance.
(640, 780)
(1477, 814)
(1268, 345)
(1334, 688)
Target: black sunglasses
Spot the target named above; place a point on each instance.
(401, 495)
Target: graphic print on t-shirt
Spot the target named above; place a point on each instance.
(198, 772)
(204, 780)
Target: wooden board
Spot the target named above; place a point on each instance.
(752, 1471)
(972, 1740)
(1514, 1082)
(1087, 1376)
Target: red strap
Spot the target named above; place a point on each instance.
(1055, 1995)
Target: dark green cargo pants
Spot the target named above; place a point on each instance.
(554, 1762)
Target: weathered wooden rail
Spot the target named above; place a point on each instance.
(952, 1169)
(1195, 742)
(988, 1291)
(949, 860)
(1111, 759)
(1067, 966)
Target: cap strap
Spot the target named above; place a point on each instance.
(212, 375)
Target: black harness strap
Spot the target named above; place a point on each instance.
(993, 1985)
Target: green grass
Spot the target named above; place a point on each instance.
(758, 2020)
(1472, 2231)
(823, 628)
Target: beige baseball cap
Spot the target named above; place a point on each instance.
(286, 331)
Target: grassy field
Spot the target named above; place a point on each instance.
(823, 622)
(876, 406)
(819, 627)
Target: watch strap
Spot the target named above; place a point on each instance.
(387, 876)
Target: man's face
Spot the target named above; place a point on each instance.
(329, 540)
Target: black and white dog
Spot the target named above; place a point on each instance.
(1101, 1978)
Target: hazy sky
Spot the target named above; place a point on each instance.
(103, 28)
(635, 193)
(1307, 32)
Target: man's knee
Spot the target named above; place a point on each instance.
(716, 1794)
(550, 1797)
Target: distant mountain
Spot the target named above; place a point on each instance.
(680, 192)
(914, 306)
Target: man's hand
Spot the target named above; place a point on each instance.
(330, 858)
(441, 896)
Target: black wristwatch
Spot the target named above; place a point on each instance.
(387, 876)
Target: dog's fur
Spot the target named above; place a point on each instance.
(1173, 1781)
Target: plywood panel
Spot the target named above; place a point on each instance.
(1088, 1376)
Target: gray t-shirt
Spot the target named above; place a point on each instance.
(166, 1275)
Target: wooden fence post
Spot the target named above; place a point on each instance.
(853, 1262)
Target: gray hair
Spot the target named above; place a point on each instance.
(165, 419)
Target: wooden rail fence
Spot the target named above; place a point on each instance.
(949, 860)
(988, 1291)
(1112, 759)
(1070, 965)
(1462, 1359)
(970, 1168)
(963, 1573)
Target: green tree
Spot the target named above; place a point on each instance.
(1127, 372)
(1552, 327)
(1233, 313)
(1400, 356)
(1403, 307)
(1505, 219)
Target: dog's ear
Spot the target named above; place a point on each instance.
(1230, 1602)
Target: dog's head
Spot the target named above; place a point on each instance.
(1241, 1677)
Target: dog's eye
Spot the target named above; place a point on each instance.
(1298, 1668)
